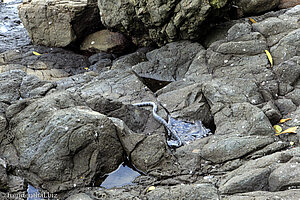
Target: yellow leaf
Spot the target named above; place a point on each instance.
(86, 68)
(277, 128)
(269, 57)
(150, 188)
(284, 120)
(289, 130)
(292, 143)
(36, 53)
(252, 20)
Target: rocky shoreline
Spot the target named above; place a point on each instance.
(67, 120)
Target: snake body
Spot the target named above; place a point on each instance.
(169, 128)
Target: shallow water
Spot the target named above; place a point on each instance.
(124, 175)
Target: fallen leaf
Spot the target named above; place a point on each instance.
(277, 128)
(269, 57)
(252, 20)
(86, 68)
(36, 53)
(196, 151)
(284, 120)
(292, 143)
(289, 130)
(151, 188)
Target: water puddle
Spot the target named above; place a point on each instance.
(124, 175)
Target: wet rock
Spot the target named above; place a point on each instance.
(288, 3)
(12, 32)
(66, 21)
(170, 62)
(161, 23)
(52, 64)
(87, 145)
(105, 41)
(242, 119)
(256, 7)
(232, 147)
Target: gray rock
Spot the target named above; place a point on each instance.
(10, 84)
(32, 86)
(63, 137)
(242, 119)
(159, 22)
(170, 62)
(52, 64)
(272, 112)
(105, 41)
(80, 196)
(231, 147)
(288, 3)
(285, 106)
(15, 184)
(66, 21)
(294, 96)
(238, 30)
(194, 191)
(285, 176)
(261, 195)
(256, 7)
(4, 177)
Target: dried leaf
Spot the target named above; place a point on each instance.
(151, 188)
(86, 68)
(284, 120)
(252, 20)
(292, 143)
(36, 53)
(289, 130)
(196, 151)
(269, 57)
(277, 128)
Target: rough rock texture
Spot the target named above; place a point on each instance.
(54, 134)
(51, 64)
(58, 23)
(256, 7)
(104, 41)
(288, 3)
(74, 141)
(161, 22)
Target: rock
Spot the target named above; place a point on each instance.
(4, 177)
(15, 184)
(294, 96)
(105, 41)
(288, 3)
(253, 175)
(231, 147)
(87, 145)
(285, 106)
(260, 195)
(285, 177)
(52, 64)
(242, 119)
(193, 191)
(32, 86)
(256, 7)
(272, 112)
(3, 126)
(66, 21)
(9, 85)
(170, 62)
(80, 196)
(148, 22)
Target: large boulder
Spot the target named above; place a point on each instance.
(55, 135)
(149, 21)
(58, 23)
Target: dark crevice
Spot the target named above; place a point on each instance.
(153, 84)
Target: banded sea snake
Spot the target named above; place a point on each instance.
(179, 132)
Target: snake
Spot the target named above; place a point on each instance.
(171, 131)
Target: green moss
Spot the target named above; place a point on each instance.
(218, 3)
